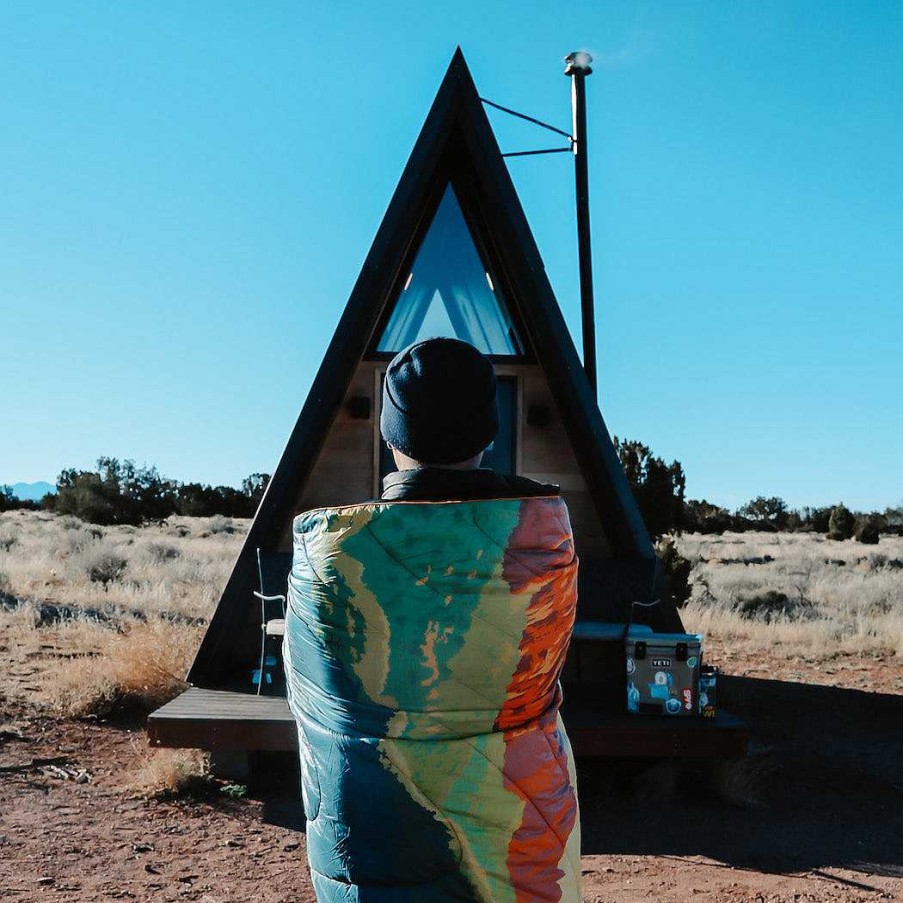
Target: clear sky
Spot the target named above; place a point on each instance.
(188, 190)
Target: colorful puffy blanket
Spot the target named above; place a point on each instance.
(423, 647)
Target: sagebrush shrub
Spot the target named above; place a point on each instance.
(773, 605)
(159, 553)
(105, 567)
(73, 541)
(219, 524)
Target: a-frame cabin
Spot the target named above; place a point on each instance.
(454, 256)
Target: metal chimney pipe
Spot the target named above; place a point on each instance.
(578, 66)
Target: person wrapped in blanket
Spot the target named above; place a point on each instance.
(425, 636)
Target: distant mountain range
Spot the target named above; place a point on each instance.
(32, 492)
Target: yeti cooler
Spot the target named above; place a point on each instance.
(662, 672)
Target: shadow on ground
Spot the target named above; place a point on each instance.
(822, 787)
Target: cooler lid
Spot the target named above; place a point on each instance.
(671, 639)
(607, 630)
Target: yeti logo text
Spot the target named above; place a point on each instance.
(661, 663)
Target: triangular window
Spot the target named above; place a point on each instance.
(449, 292)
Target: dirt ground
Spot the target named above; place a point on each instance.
(815, 813)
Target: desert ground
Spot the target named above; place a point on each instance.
(98, 624)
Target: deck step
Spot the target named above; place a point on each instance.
(226, 720)
(223, 719)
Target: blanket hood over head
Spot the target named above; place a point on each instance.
(424, 642)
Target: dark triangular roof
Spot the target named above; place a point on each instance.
(456, 143)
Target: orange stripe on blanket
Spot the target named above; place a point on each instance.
(550, 613)
(536, 771)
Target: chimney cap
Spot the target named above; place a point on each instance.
(578, 63)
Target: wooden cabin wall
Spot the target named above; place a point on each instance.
(546, 455)
(345, 472)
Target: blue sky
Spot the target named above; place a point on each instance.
(188, 192)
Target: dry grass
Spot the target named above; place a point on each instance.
(177, 568)
(171, 772)
(797, 592)
(80, 667)
(134, 602)
(140, 667)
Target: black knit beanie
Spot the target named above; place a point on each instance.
(439, 402)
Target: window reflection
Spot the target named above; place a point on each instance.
(449, 292)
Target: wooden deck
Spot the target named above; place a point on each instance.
(224, 720)
(221, 719)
